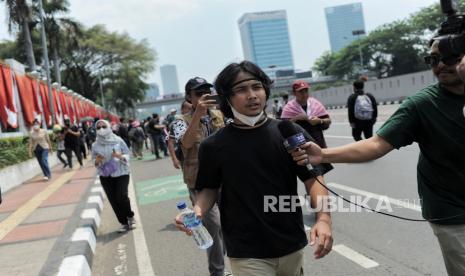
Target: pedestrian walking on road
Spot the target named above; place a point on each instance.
(243, 164)
(137, 138)
(111, 156)
(39, 143)
(363, 111)
(72, 135)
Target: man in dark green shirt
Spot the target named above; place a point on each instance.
(434, 119)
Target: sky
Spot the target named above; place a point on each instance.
(201, 37)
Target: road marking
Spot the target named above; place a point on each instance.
(355, 256)
(347, 123)
(140, 245)
(394, 201)
(26, 209)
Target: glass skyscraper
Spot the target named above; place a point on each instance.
(342, 21)
(169, 79)
(265, 39)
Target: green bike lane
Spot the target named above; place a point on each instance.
(158, 187)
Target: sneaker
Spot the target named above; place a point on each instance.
(46, 178)
(123, 229)
(132, 222)
(64, 166)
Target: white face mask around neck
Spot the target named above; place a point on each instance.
(248, 120)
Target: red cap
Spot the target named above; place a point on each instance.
(299, 85)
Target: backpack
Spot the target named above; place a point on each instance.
(363, 108)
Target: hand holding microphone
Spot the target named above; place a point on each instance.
(303, 152)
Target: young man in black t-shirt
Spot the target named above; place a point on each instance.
(248, 161)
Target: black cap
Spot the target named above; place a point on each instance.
(196, 83)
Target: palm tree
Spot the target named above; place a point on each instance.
(56, 27)
(19, 17)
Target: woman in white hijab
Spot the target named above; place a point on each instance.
(111, 156)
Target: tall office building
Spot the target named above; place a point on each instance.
(265, 40)
(169, 79)
(342, 22)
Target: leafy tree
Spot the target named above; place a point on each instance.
(19, 17)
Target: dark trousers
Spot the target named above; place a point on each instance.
(365, 127)
(69, 155)
(42, 157)
(59, 153)
(116, 189)
(159, 143)
(82, 148)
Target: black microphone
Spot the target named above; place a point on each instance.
(292, 137)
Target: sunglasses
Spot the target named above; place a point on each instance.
(99, 127)
(434, 59)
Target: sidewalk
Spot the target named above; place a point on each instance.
(38, 220)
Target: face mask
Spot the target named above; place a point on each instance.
(248, 120)
(36, 127)
(103, 132)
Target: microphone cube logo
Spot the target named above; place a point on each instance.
(294, 141)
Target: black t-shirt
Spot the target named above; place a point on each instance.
(248, 164)
(71, 140)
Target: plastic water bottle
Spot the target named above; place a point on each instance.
(199, 232)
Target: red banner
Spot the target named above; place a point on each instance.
(27, 99)
(8, 112)
(45, 104)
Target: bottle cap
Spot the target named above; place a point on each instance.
(181, 205)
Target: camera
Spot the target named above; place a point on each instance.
(451, 34)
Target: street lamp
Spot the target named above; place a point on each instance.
(359, 33)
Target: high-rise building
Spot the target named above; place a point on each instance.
(169, 79)
(265, 40)
(153, 92)
(345, 24)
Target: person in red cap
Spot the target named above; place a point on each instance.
(307, 112)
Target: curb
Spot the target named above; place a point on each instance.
(80, 253)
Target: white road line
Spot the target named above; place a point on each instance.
(404, 204)
(339, 137)
(350, 254)
(140, 245)
(355, 256)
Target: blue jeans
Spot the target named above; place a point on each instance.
(42, 157)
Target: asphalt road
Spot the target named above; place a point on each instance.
(366, 243)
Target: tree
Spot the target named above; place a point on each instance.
(120, 62)
(323, 63)
(55, 26)
(19, 18)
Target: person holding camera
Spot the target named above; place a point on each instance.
(111, 155)
(190, 130)
(434, 119)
